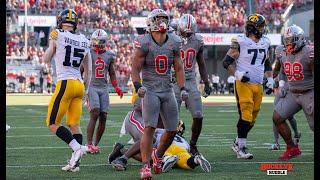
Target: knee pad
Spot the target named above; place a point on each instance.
(243, 128)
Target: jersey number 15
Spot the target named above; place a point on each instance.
(76, 53)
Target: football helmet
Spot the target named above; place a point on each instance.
(158, 20)
(68, 16)
(181, 127)
(187, 25)
(256, 24)
(99, 39)
(294, 39)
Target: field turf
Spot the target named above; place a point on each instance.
(32, 152)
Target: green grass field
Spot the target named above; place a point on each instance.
(32, 152)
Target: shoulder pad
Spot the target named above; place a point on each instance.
(139, 40)
(198, 37)
(54, 34)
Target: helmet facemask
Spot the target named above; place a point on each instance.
(99, 40)
(158, 21)
(187, 26)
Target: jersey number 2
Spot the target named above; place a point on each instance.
(100, 65)
(76, 53)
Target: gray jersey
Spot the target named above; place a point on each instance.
(100, 67)
(156, 74)
(189, 52)
(297, 69)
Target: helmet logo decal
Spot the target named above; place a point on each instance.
(254, 18)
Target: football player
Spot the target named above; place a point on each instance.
(247, 59)
(298, 65)
(156, 52)
(98, 96)
(280, 92)
(178, 153)
(192, 53)
(69, 50)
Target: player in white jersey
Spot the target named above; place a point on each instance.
(247, 59)
(69, 50)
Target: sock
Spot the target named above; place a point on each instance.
(74, 145)
(78, 137)
(124, 157)
(64, 134)
(293, 124)
(242, 142)
(191, 163)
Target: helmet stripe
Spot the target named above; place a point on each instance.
(70, 14)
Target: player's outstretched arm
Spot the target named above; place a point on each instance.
(114, 81)
(87, 66)
(50, 51)
(229, 60)
(276, 68)
(137, 64)
(179, 70)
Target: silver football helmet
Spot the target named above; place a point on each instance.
(187, 25)
(158, 20)
(293, 39)
(99, 39)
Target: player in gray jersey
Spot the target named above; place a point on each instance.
(98, 96)
(281, 91)
(192, 53)
(156, 52)
(297, 64)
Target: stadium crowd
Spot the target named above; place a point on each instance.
(224, 16)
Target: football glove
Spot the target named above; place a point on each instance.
(118, 90)
(270, 83)
(184, 94)
(142, 91)
(242, 76)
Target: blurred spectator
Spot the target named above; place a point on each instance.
(21, 82)
(49, 83)
(32, 80)
(215, 83)
(230, 82)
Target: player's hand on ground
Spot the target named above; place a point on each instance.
(118, 90)
(242, 76)
(207, 90)
(142, 91)
(184, 95)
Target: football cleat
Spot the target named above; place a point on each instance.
(290, 152)
(194, 150)
(145, 172)
(157, 162)
(235, 146)
(275, 146)
(69, 168)
(243, 154)
(92, 149)
(204, 164)
(169, 162)
(77, 155)
(115, 152)
(119, 164)
(131, 141)
(296, 139)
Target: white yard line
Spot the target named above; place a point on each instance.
(138, 164)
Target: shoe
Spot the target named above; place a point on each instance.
(92, 149)
(119, 164)
(204, 164)
(235, 146)
(296, 139)
(77, 155)
(291, 152)
(243, 154)
(194, 150)
(115, 152)
(69, 168)
(145, 172)
(169, 162)
(157, 162)
(275, 146)
(131, 141)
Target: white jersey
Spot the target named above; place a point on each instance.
(178, 140)
(70, 51)
(252, 57)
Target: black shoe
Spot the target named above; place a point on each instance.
(194, 150)
(119, 164)
(115, 152)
